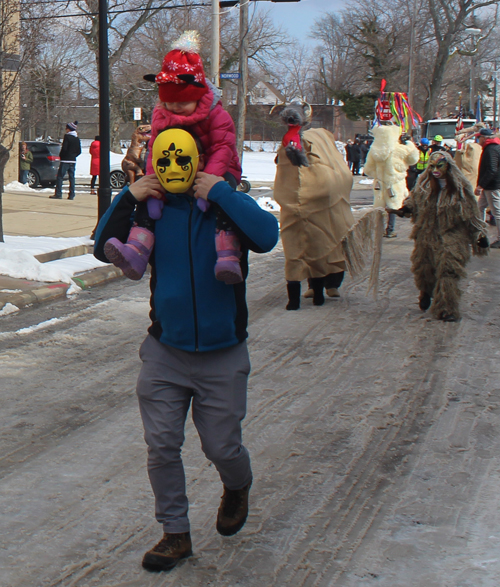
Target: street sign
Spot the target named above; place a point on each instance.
(137, 113)
(229, 75)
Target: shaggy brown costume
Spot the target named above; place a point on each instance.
(446, 227)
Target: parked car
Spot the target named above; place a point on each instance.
(117, 177)
(45, 163)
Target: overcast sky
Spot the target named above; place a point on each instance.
(298, 17)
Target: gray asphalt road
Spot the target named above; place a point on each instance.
(374, 433)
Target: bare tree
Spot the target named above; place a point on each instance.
(450, 19)
(125, 19)
(11, 63)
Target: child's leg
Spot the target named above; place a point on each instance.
(227, 245)
(132, 257)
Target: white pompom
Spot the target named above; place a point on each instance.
(189, 42)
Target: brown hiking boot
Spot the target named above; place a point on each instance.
(168, 552)
(233, 510)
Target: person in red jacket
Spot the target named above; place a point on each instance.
(94, 150)
(187, 100)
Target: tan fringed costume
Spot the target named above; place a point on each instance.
(467, 160)
(468, 154)
(315, 208)
(446, 228)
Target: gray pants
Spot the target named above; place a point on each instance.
(216, 383)
(490, 199)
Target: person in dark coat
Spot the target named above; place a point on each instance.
(488, 181)
(348, 153)
(95, 152)
(71, 148)
(355, 157)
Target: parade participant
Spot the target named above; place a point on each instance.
(437, 144)
(187, 99)
(446, 227)
(312, 187)
(387, 162)
(195, 352)
(415, 170)
(488, 182)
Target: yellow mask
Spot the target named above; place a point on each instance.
(175, 160)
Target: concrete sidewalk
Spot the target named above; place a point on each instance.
(35, 214)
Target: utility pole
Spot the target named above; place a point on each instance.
(243, 69)
(411, 68)
(215, 60)
(243, 81)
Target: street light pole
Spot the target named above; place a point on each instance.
(104, 191)
(215, 64)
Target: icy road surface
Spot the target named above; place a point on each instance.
(374, 433)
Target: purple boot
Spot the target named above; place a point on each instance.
(227, 268)
(132, 258)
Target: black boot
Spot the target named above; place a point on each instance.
(293, 288)
(318, 284)
(424, 301)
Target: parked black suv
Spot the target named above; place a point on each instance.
(45, 163)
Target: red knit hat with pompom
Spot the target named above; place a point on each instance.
(182, 78)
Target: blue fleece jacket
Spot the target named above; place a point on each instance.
(190, 309)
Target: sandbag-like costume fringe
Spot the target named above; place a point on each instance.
(362, 242)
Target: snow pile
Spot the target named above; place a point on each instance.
(341, 148)
(8, 309)
(37, 245)
(17, 259)
(366, 181)
(23, 265)
(16, 186)
(267, 203)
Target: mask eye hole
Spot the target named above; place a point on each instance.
(183, 162)
(163, 163)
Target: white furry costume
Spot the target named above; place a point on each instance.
(387, 162)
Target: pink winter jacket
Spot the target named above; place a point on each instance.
(215, 129)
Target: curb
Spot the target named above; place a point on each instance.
(38, 295)
(47, 293)
(97, 276)
(76, 251)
